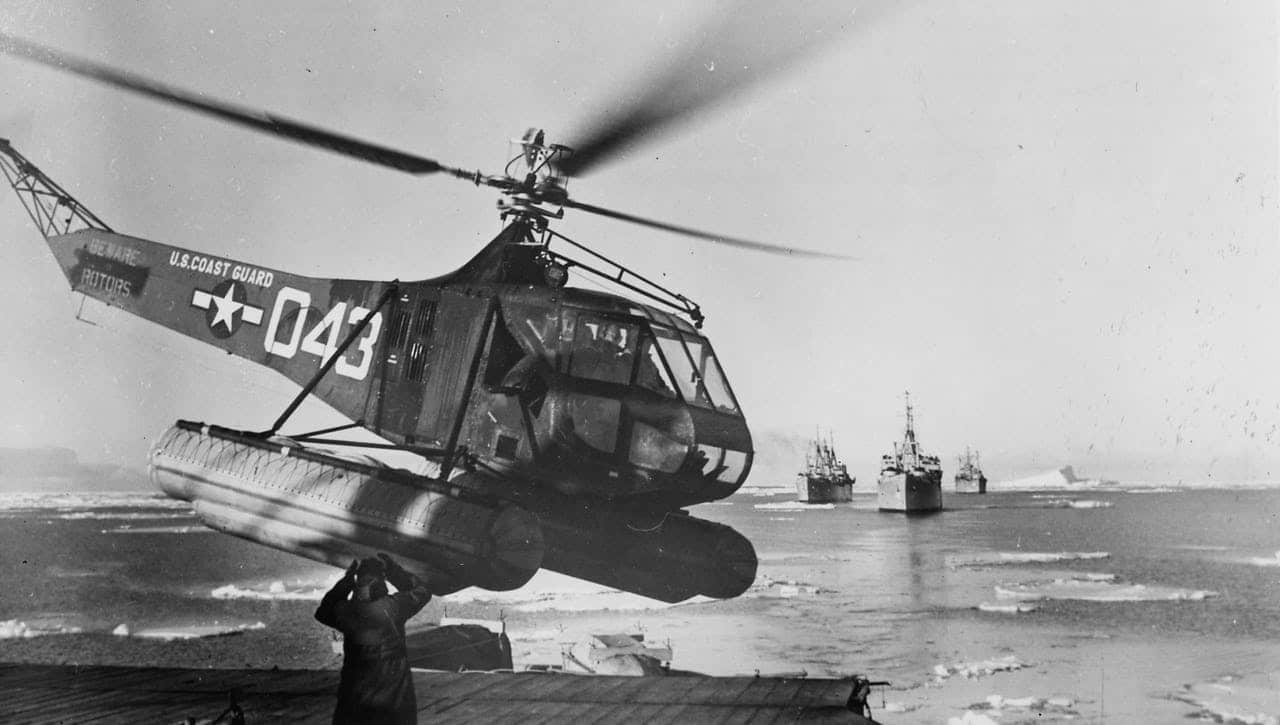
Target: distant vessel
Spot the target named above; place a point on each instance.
(969, 476)
(825, 479)
(617, 654)
(910, 481)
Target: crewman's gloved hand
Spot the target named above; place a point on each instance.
(398, 575)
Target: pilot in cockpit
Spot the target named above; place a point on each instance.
(613, 340)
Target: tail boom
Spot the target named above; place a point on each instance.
(288, 322)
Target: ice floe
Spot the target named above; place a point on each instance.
(1085, 504)
(551, 591)
(995, 707)
(795, 506)
(790, 590)
(1051, 502)
(1233, 555)
(122, 515)
(1007, 607)
(1097, 588)
(17, 629)
(971, 670)
(87, 500)
(1266, 560)
(761, 491)
(1068, 503)
(765, 586)
(274, 591)
(1250, 700)
(61, 572)
(997, 558)
(1211, 484)
(189, 529)
(187, 631)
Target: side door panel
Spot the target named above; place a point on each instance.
(448, 362)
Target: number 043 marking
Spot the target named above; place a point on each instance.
(323, 339)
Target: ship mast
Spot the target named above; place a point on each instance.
(909, 447)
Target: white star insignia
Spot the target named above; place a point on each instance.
(227, 308)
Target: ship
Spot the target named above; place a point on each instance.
(825, 478)
(910, 481)
(969, 476)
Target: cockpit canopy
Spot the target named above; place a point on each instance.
(639, 389)
(629, 345)
(657, 355)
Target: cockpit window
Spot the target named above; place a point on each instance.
(696, 370)
(652, 373)
(603, 350)
(712, 376)
(682, 367)
(647, 354)
(535, 327)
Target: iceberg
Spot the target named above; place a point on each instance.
(1054, 479)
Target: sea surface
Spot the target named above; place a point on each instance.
(1096, 605)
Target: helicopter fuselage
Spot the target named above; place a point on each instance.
(585, 393)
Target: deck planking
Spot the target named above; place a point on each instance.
(93, 694)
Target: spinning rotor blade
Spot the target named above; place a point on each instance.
(698, 234)
(248, 117)
(749, 43)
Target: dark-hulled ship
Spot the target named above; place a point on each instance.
(910, 481)
(969, 476)
(825, 478)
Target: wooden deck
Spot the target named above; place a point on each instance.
(99, 694)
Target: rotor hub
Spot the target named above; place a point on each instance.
(536, 189)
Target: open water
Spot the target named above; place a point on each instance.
(1112, 603)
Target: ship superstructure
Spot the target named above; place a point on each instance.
(969, 476)
(910, 481)
(825, 478)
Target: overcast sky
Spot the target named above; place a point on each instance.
(1064, 213)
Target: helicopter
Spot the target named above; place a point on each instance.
(565, 428)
